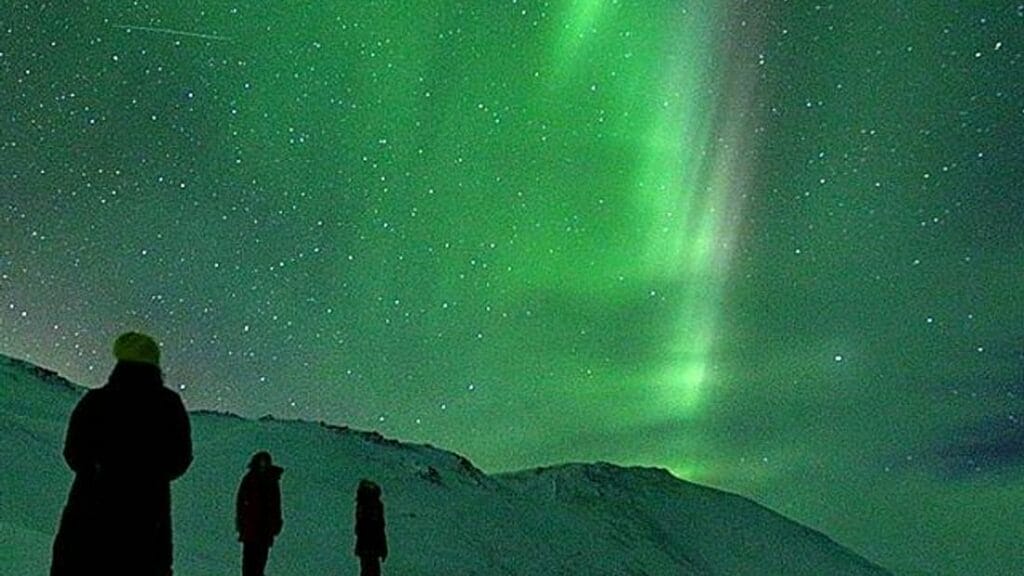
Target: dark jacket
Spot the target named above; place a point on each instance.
(258, 506)
(371, 540)
(125, 442)
(74, 547)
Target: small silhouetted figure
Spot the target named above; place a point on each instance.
(371, 541)
(126, 442)
(258, 512)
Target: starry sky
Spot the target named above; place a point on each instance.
(775, 247)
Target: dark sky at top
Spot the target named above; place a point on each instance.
(774, 247)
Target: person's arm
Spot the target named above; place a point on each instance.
(241, 505)
(356, 528)
(181, 439)
(80, 441)
(383, 536)
(276, 510)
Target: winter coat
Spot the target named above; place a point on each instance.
(371, 540)
(125, 442)
(258, 506)
(73, 546)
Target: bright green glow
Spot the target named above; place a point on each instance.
(688, 471)
(578, 27)
(680, 384)
(679, 211)
(663, 245)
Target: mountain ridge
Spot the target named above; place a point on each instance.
(445, 515)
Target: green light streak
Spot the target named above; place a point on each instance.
(580, 20)
(681, 208)
(673, 198)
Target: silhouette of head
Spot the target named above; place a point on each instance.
(137, 347)
(367, 490)
(261, 461)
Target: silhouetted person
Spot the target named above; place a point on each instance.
(258, 512)
(126, 442)
(371, 541)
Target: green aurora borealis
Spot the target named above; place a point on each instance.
(776, 248)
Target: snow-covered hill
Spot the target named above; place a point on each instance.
(444, 515)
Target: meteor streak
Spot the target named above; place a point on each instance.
(171, 32)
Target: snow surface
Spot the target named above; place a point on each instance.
(444, 515)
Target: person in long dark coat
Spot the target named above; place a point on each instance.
(371, 540)
(258, 512)
(126, 441)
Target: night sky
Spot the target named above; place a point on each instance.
(775, 247)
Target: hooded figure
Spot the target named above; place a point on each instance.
(371, 541)
(258, 512)
(126, 441)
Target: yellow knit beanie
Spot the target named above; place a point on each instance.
(137, 347)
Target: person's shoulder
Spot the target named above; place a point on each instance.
(168, 393)
(92, 397)
(169, 398)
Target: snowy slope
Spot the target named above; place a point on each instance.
(444, 515)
